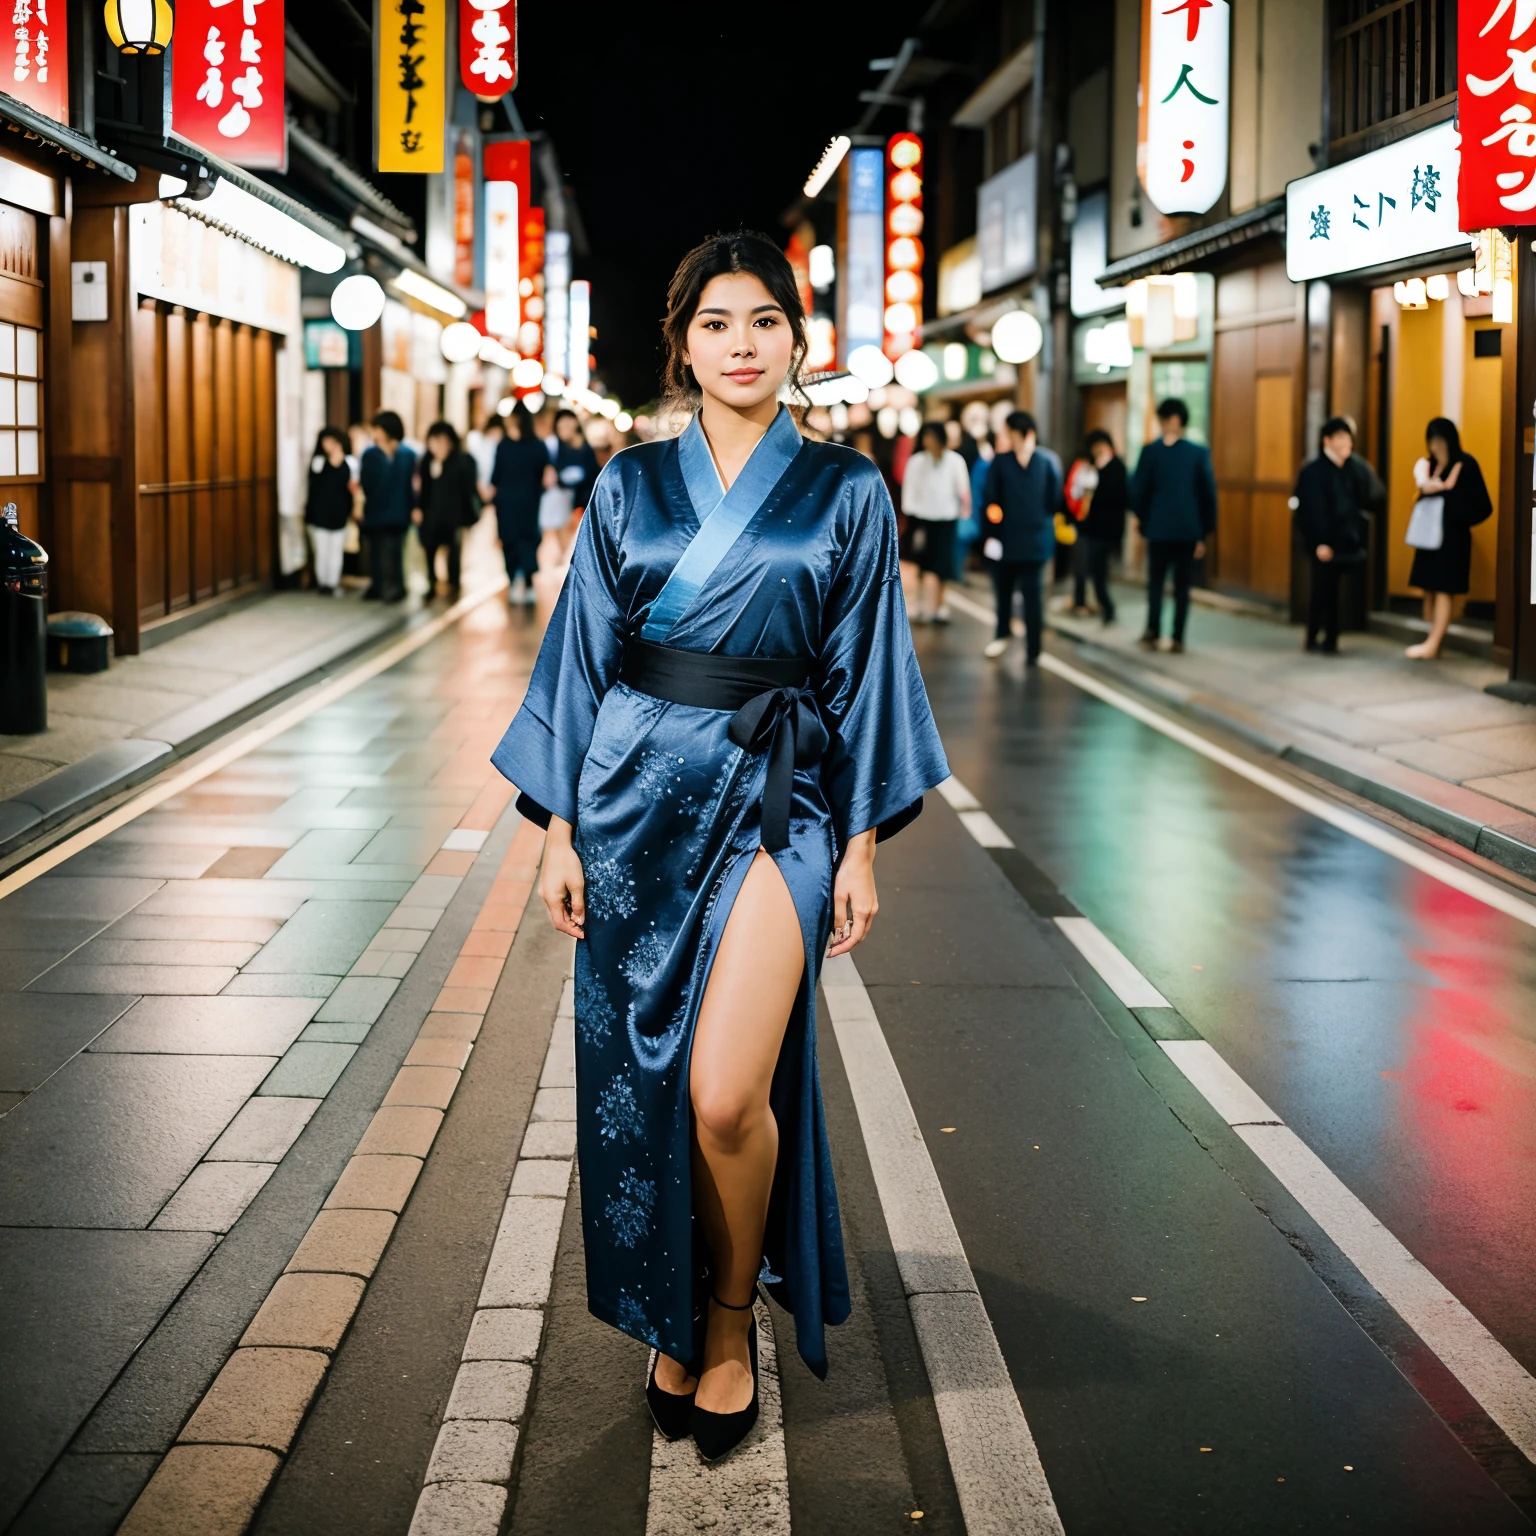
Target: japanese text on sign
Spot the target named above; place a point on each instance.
(1497, 107)
(227, 79)
(1386, 206)
(1185, 92)
(488, 47)
(412, 65)
(40, 67)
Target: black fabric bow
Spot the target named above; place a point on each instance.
(785, 723)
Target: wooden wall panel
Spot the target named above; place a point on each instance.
(264, 414)
(244, 465)
(178, 460)
(204, 460)
(224, 434)
(149, 372)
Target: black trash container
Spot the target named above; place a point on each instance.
(23, 630)
(79, 642)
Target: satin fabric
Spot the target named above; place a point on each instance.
(666, 810)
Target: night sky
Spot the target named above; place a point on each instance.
(674, 123)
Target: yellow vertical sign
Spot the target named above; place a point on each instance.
(412, 65)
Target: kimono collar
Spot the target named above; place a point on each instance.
(767, 461)
(723, 515)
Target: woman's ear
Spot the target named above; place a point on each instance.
(687, 361)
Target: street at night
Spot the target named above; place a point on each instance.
(769, 775)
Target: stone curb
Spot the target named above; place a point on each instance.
(232, 1447)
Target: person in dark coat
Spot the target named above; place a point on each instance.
(1102, 529)
(1334, 495)
(328, 507)
(520, 476)
(1174, 496)
(448, 501)
(1021, 494)
(387, 474)
(1445, 573)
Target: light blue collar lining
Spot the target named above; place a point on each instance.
(723, 515)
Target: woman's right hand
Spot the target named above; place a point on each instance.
(562, 885)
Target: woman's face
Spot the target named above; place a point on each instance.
(739, 341)
(438, 447)
(1439, 450)
(334, 452)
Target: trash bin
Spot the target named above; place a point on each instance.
(79, 642)
(23, 624)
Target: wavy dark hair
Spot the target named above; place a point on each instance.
(743, 250)
(1444, 427)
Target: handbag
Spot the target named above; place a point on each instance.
(1426, 523)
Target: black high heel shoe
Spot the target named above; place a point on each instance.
(718, 1434)
(671, 1411)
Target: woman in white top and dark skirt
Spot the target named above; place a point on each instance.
(935, 495)
(1445, 572)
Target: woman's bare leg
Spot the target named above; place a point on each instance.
(1437, 611)
(742, 1019)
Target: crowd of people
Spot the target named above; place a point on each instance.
(980, 484)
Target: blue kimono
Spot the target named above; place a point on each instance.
(798, 559)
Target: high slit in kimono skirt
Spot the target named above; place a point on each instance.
(798, 559)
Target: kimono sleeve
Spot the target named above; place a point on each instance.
(884, 748)
(546, 743)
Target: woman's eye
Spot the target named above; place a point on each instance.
(767, 320)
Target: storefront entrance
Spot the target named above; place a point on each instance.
(207, 456)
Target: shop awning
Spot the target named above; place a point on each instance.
(355, 187)
(35, 126)
(1192, 251)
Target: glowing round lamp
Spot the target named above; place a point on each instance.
(623, 422)
(505, 406)
(905, 220)
(870, 366)
(900, 318)
(534, 401)
(904, 253)
(916, 371)
(910, 420)
(460, 342)
(905, 152)
(1017, 337)
(903, 287)
(888, 421)
(553, 384)
(906, 187)
(528, 373)
(139, 26)
(357, 302)
(855, 391)
(610, 409)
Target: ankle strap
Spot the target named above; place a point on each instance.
(745, 1307)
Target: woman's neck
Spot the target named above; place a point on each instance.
(733, 434)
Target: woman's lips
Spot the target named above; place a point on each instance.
(745, 375)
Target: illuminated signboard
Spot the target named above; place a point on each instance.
(410, 77)
(1186, 97)
(227, 78)
(903, 249)
(861, 292)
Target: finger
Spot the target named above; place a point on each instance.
(577, 904)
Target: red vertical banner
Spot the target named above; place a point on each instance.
(464, 213)
(903, 249)
(1496, 111)
(507, 185)
(39, 66)
(530, 334)
(227, 79)
(488, 47)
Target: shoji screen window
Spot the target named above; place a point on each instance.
(21, 408)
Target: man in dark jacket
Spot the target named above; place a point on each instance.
(521, 475)
(1333, 495)
(1102, 529)
(1021, 495)
(387, 473)
(1174, 495)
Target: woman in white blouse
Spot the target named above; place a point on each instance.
(935, 494)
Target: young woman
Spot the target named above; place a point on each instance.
(519, 478)
(328, 507)
(448, 501)
(725, 715)
(1446, 572)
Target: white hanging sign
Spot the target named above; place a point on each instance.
(1186, 88)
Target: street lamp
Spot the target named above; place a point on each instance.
(357, 302)
(139, 26)
(1017, 336)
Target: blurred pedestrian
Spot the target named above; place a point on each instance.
(1174, 496)
(978, 432)
(449, 502)
(386, 473)
(1442, 536)
(1101, 528)
(576, 474)
(935, 495)
(1021, 494)
(328, 508)
(482, 445)
(520, 478)
(1331, 504)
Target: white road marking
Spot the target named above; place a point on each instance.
(985, 830)
(958, 797)
(465, 1492)
(1125, 981)
(465, 840)
(992, 1455)
(1499, 1383)
(231, 751)
(747, 1494)
(1374, 833)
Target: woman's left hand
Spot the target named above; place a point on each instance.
(854, 902)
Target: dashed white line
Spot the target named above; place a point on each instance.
(1125, 981)
(998, 1476)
